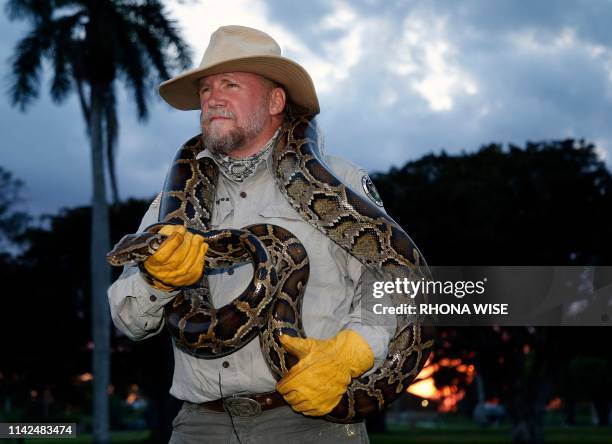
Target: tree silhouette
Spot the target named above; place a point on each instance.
(546, 204)
(91, 45)
(12, 220)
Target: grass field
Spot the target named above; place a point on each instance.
(469, 434)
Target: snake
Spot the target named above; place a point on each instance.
(271, 304)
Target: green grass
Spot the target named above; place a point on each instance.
(474, 435)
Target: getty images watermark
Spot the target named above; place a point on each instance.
(411, 288)
(493, 295)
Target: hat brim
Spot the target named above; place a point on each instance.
(181, 92)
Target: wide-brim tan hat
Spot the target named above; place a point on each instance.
(242, 49)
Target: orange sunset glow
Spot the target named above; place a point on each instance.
(447, 396)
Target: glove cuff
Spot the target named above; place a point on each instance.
(153, 282)
(358, 350)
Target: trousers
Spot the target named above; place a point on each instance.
(282, 424)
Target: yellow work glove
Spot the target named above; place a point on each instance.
(179, 261)
(325, 368)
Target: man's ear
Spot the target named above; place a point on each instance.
(277, 101)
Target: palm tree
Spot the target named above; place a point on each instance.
(91, 45)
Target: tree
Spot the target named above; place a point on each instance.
(12, 220)
(91, 44)
(501, 206)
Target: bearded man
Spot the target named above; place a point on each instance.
(245, 90)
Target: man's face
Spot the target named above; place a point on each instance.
(235, 108)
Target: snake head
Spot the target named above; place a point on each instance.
(134, 248)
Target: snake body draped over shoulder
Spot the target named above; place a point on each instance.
(357, 225)
(364, 231)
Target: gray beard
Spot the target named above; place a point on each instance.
(236, 138)
(226, 144)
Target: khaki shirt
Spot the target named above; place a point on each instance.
(331, 300)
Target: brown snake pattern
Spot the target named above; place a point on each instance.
(354, 223)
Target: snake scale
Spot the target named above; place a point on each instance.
(271, 304)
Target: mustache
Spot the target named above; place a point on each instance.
(215, 112)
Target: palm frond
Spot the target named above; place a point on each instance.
(33, 10)
(133, 68)
(79, 78)
(170, 29)
(63, 51)
(26, 65)
(85, 107)
(153, 46)
(152, 16)
(132, 65)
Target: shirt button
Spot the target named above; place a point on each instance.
(225, 364)
(152, 298)
(242, 194)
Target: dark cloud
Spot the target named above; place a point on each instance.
(523, 93)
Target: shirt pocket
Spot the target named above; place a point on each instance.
(221, 214)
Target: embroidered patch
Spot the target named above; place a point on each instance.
(370, 190)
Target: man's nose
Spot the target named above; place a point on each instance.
(213, 99)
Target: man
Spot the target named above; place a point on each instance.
(243, 88)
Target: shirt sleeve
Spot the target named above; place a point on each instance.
(377, 330)
(136, 307)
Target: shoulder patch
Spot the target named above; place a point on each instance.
(370, 190)
(156, 201)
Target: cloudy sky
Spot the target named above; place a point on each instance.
(396, 80)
